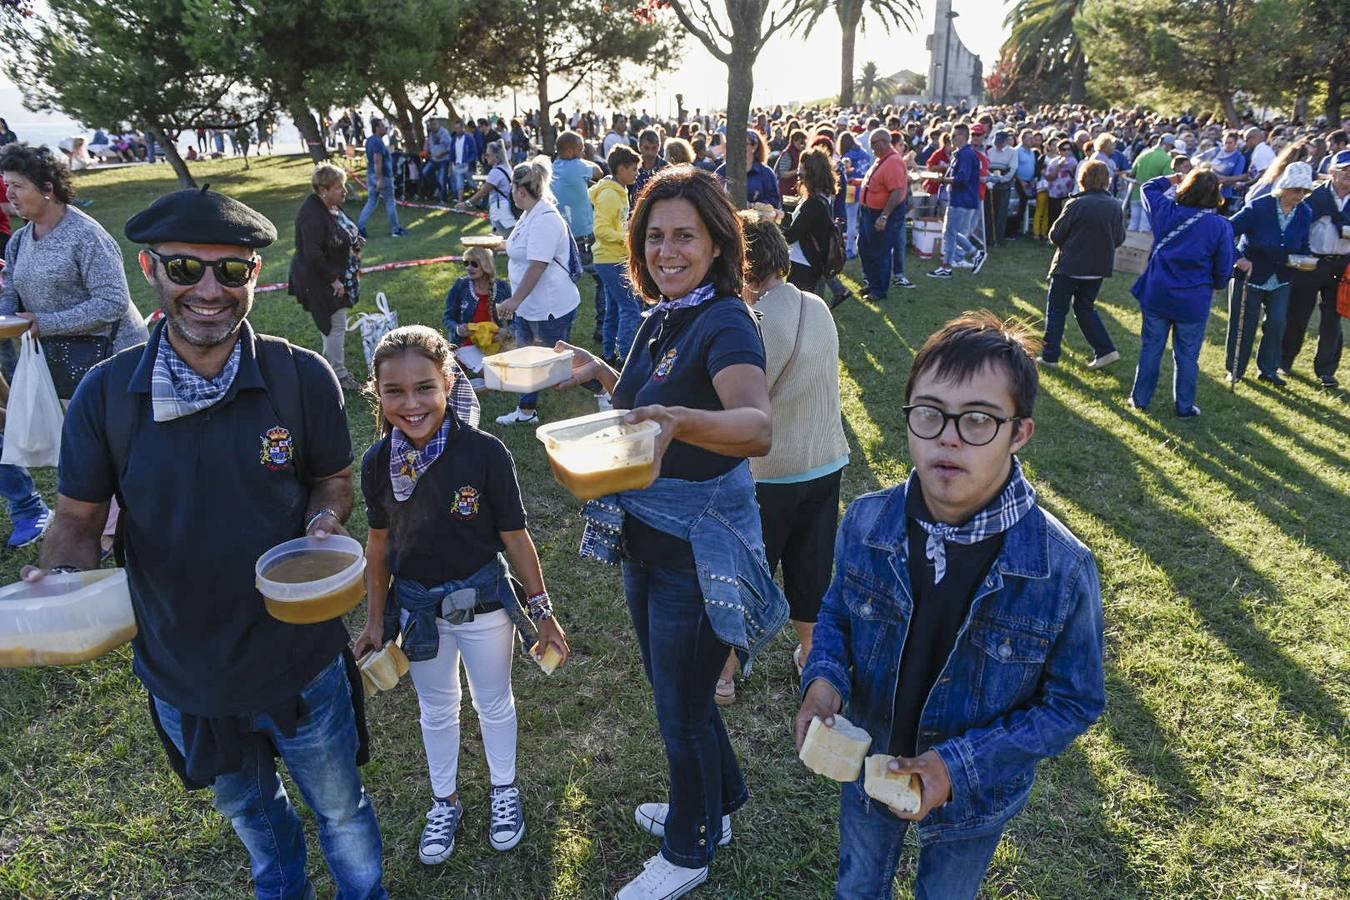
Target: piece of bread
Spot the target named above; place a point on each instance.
(380, 667)
(898, 790)
(550, 660)
(835, 752)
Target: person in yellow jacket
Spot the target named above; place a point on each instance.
(623, 309)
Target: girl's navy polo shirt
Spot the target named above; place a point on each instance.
(451, 525)
(674, 359)
(206, 495)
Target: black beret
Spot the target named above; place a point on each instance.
(200, 217)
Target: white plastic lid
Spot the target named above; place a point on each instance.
(527, 357)
(66, 602)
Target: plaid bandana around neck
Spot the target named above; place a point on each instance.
(407, 463)
(696, 297)
(1002, 513)
(177, 391)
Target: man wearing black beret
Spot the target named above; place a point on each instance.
(220, 443)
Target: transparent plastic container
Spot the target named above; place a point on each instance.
(596, 455)
(1302, 262)
(526, 369)
(308, 580)
(65, 619)
(13, 326)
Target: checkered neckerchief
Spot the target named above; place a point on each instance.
(407, 463)
(698, 295)
(177, 391)
(1002, 513)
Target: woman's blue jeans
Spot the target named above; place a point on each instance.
(1276, 303)
(321, 759)
(1080, 295)
(542, 333)
(18, 489)
(1187, 339)
(623, 311)
(871, 838)
(683, 658)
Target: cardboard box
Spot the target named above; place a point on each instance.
(1132, 256)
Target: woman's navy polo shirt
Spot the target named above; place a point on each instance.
(206, 495)
(674, 359)
(451, 525)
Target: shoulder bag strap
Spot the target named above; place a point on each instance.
(796, 345)
(1171, 235)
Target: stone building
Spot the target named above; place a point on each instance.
(954, 72)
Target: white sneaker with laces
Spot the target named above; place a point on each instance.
(661, 879)
(1101, 362)
(519, 416)
(508, 817)
(651, 818)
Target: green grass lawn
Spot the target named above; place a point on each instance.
(1220, 768)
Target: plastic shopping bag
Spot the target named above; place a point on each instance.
(374, 326)
(33, 418)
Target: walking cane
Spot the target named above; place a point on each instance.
(1242, 331)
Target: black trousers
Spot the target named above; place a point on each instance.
(1317, 289)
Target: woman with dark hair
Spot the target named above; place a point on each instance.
(325, 272)
(1192, 257)
(761, 185)
(691, 545)
(809, 232)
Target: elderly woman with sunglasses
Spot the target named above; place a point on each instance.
(325, 271)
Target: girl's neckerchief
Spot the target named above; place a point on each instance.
(407, 464)
(1003, 512)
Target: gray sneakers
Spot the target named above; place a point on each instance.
(438, 837)
(508, 817)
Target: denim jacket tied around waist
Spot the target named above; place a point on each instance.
(1025, 677)
(720, 520)
(417, 607)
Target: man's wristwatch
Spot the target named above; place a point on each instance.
(63, 570)
(325, 511)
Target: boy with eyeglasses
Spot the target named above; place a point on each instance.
(963, 628)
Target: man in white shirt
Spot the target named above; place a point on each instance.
(616, 133)
(1262, 154)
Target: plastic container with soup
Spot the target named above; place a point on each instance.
(600, 454)
(65, 619)
(309, 580)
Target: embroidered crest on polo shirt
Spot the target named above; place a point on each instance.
(278, 450)
(466, 502)
(665, 365)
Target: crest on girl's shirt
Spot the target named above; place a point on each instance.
(665, 365)
(278, 450)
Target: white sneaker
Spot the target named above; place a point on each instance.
(651, 818)
(519, 416)
(661, 879)
(604, 401)
(963, 264)
(1102, 362)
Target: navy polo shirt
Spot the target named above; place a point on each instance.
(674, 359)
(450, 527)
(206, 495)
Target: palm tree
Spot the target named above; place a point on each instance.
(851, 14)
(872, 86)
(1043, 44)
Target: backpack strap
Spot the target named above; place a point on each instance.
(281, 373)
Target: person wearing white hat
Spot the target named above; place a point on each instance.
(1267, 231)
(1329, 239)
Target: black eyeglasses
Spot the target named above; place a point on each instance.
(231, 271)
(975, 428)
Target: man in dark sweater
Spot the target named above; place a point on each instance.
(963, 629)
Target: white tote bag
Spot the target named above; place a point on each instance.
(33, 418)
(374, 325)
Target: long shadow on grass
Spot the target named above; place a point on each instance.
(1199, 565)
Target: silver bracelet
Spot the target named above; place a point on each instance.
(324, 511)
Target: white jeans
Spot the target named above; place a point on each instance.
(334, 347)
(486, 644)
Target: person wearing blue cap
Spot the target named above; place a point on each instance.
(220, 443)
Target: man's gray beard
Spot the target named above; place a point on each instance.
(197, 340)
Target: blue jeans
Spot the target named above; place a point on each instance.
(683, 659)
(851, 234)
(1081, 295)
(871, 838)
(623, 310)
(321, 759)
(898, 247)
(438, 170)
(1276, 303)
(18, 489)
(459, 176)
(1138, 215)
(955, 227)
(374, 200)
(1187, 339)
(875, 249)
(543, 333)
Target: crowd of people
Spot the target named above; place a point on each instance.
(951, 618)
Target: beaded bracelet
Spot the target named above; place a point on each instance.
(540, 606)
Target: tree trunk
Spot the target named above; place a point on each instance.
(307, 126)
(546, 129)
(1078, 80)
(1230, 110)
(180, 168)
(849, 16)
(1335, 97)
(410, 123)
(740, 86)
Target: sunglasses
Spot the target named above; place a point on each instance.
(231, 271)
(471, 265)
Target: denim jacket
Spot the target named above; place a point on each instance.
(461, 303)
(720, 519)
(415, 608)
(1024, 678)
